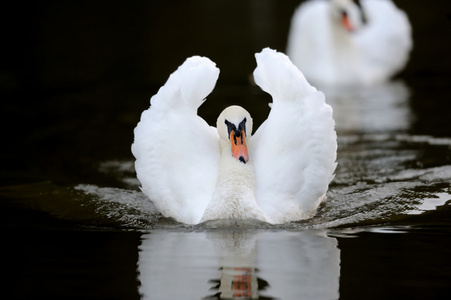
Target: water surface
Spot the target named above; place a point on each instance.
(75, 224)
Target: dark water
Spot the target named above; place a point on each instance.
(73, 82)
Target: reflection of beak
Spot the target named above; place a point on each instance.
(239, 149)
(346, 23)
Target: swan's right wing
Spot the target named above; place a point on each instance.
(177, 153)
(386, 42)
(294, 151)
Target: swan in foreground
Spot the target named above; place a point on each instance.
(193, 172)
(341, 42)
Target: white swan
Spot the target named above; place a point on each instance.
(340, 42)
(194, 173)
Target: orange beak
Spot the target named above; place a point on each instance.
(239, 148)
(346, 23)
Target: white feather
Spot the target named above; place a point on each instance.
(294, 151)
(328, 54)
(176, 151)
(188, 169)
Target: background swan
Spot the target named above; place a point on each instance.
(341, 42)
(194, 172)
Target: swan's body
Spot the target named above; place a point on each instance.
(194, 172)
(338, 42)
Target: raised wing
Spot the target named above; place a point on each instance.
(294, 150)
(386, 42)
(176, 151)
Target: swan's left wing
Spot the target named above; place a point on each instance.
(177, 153)
(294, 150)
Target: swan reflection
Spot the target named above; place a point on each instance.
(237, 264)
(378, 108)
(237, 283)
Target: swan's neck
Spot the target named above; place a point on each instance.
(341, 38)
(345, 55)
(234, 197)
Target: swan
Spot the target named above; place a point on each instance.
(194, 172)
(341, 42)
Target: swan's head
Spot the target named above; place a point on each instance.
(234, 125)
(347, 14)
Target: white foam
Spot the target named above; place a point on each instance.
(427, 139)
(127, 207)
(429, 204)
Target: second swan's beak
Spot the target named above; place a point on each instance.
(346, 22)
(238, 142)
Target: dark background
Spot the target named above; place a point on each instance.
(76, 75)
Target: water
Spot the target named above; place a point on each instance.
(75, 225)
